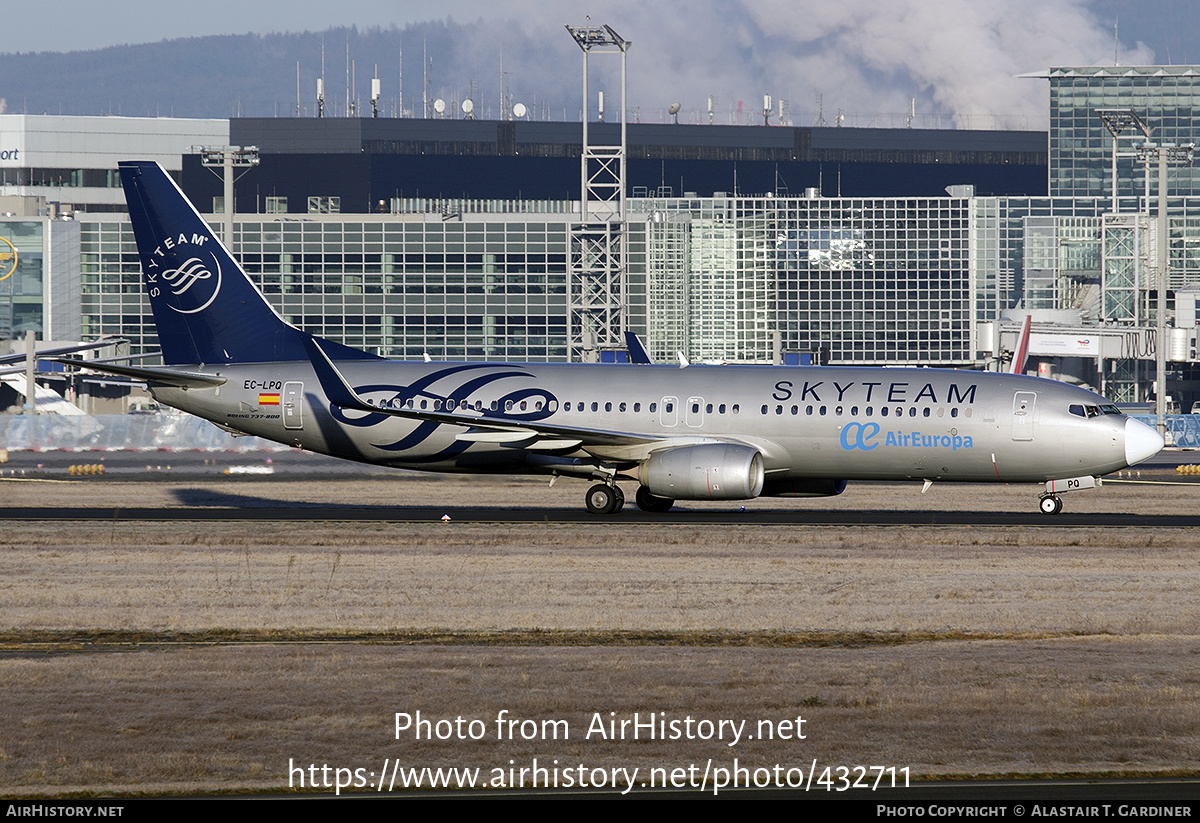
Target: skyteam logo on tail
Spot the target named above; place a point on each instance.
(183, 274)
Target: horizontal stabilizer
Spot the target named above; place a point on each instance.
(164, 377)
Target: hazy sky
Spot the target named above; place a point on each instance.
(956, 58)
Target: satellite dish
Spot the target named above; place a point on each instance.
(674, 109)
(468, 106)
(439, 105)
(519, 110)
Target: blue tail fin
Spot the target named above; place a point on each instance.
(205, 307)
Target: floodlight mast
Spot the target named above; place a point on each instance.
(1164, 155)
(1117, 121)
(228, 158)
(597, 268)
(607, 184)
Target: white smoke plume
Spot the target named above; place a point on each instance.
(866, 59)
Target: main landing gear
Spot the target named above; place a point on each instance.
(648, 502)
(1049, 504)
(605, 499)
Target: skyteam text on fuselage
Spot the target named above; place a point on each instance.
(693, 433)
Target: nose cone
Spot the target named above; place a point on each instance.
(1141, 442)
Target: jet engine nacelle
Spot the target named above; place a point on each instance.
(713, 471)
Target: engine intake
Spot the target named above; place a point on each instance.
(713, 471)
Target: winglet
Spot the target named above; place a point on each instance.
(637, 352)
(1022, 351)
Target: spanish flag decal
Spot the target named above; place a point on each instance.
(269, 399)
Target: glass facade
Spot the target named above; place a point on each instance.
(855, 281)
(1166, 98)
(489, 290)
(22, 278)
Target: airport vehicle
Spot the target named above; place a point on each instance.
(683, 432)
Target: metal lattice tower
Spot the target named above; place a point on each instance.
(597, 268)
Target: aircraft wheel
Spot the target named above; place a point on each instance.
(648, 502)
(620, 499)
(1050, 505)
(601, 499)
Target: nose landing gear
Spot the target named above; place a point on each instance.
(1049, 504)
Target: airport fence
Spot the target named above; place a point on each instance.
(110, 432)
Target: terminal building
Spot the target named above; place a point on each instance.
(453, 239)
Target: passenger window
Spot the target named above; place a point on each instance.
(708, 409)
(925, 412)
(721, 409)
(954, 412)
(437, 405)
(608, 407)
(522, 405)
(764, 408)
(736, 407)
(779, 409)
(838, 411)
(795, 410)
(653, 408)
(595, 406)
(508, 404)
(869, 411)
(424, 403)
(854, 411)
(621, 407)
(912, 412)
(637, 407)
(967, 412)
(669, 407)
(808, 410)
(696, 408)
(883, 410)
(822, 411)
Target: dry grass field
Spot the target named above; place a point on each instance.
(184, 657)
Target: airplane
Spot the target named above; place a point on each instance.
(686, 432)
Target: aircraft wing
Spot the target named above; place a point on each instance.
(167, 377)
(490, 429)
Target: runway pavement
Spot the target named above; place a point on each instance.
(252, 494)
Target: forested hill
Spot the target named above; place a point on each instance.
(223, 76)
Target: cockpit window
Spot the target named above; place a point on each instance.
(1108, 408)
(1077, 410)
